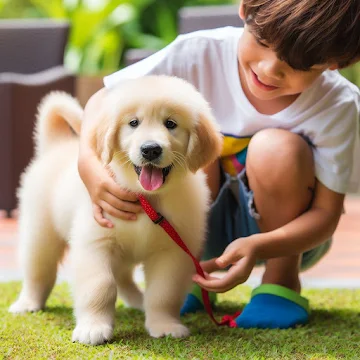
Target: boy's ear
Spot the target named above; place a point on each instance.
(241, 11)
(334, 67)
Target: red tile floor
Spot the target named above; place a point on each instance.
(339, 268)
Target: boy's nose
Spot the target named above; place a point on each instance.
(272, 68)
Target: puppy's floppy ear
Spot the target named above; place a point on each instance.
(205, 143)
(103, 138)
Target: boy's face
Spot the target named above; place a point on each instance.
(266, 76)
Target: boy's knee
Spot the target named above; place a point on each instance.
(280, 157)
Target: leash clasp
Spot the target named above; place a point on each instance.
(159, 219)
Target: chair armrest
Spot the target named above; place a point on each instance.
(193, 18)
(37, 79)
(20, 96)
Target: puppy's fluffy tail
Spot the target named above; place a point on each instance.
(59, 118)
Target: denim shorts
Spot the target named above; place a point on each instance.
(233, 215)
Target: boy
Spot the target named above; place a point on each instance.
(285, 110)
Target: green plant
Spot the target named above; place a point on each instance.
(160, 17)
(97, 38)
(352, 73)
(102, 30)
(10, 9)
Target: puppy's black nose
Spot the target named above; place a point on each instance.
(151, 150)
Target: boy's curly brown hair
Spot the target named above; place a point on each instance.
(304, 33)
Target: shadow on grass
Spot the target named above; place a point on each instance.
(347, 319)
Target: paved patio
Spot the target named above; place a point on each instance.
(340, 267)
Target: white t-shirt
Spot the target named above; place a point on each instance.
(327, 113)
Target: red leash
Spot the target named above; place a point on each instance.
(157, 218)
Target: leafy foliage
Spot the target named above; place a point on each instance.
(103, 29)
(352, 73)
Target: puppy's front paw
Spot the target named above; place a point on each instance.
(175, 329)
(92, 334)
(25, 305)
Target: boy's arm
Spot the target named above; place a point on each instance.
(105, 194)
(303, 233)
(212, 172)
(308, 230)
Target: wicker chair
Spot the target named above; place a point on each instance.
(31, 65)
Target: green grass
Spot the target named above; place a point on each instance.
(333, 333)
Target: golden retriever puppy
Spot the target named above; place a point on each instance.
(155, 134)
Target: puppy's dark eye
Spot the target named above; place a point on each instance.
(134, 123)
(170, 124)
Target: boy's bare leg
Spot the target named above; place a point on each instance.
(283, 271)
(280, 171)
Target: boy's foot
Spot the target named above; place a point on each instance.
(274, 307)
(194, 302)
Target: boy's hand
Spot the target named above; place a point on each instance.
(106, 195)
(241, 255)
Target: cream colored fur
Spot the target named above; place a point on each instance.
(55, 208)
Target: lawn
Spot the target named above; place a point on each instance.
(334, 332)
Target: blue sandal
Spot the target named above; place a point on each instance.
(194, 302)
(274, 307)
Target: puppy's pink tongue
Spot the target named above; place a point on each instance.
(151, 178)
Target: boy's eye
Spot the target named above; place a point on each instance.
(134, 123)
(170, 124)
